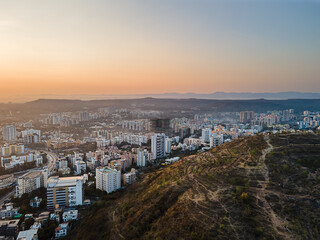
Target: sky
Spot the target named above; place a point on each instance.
(115, 47)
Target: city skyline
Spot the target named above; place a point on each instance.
(123, 48)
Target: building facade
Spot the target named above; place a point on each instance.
(65, 191)
(158, 145)
(9, 133)
(108, 179)
(31, 181)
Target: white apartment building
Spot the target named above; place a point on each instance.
(80, 166)
(31, 181)
(61, 230)
(158, 145)
(205, 136)
(130, 177)
(9, 133)
(168, 143)
(65, 191)
(216, 140)
(108, 179)
(31, 136)
(142, 156)
(70, 215)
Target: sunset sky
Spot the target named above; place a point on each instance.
(70, 47)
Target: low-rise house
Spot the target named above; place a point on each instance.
(9, 228)
(36, 225)
(71, 215)
(8, 211)
(55, 217)
(35, 202)
(62, 230)
(130, 177)
(31, 234)
(43, 217)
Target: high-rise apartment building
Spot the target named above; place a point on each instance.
(65, 191)
(108, 179)
(31, 181)
(167, 145)
(12, 150)
(158, 145)
(160, 126)
(9, 133)
(142, 156)
(286, 115)
(216, 140)
(206, 133)
(31, 136)
(130, 177)
(246, 116)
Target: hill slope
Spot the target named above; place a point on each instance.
(197, 105)
(236, 191)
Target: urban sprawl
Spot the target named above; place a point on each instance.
(54, 166)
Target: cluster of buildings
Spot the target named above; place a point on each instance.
(125, 144)
(15, 154)
(28, 136)
(136, 125)
(309, 120)
(67, 119)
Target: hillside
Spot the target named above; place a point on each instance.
(192, 104)
(261, 187)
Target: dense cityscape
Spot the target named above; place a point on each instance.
(160, 120)
(54, 166)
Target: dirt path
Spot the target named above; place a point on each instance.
(279, 225)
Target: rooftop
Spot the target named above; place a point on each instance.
(27, 235)
(32, 174)
(64, 181)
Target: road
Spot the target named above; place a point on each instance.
(52, 158)
(7, 196)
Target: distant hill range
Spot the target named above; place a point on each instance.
(214, 95)
(191, 105)
(244, 95)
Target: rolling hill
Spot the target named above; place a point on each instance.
(260, 187)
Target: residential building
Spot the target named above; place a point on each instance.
(12, 149)
(31, 234)
(130, 177)
(168, 143)
(35, 202)
(246, 116)
(9, 133)
(108, 179)
(71, 215)
(65, 191)
(79, 167)
(31, 181)
(286, 115)
(9, 228)
(6, 180)
(206, 133)
(158, 145)
(62, 230)
(142, 156)
(216, 140)
(8, 211)
(31, 136)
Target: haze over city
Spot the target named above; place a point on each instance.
(64, 48)
(160, 119)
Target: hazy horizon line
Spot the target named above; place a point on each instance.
(174, 95)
